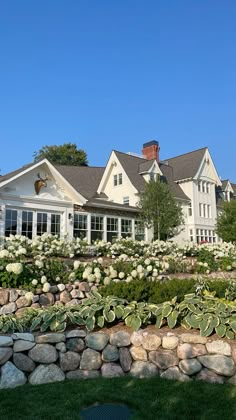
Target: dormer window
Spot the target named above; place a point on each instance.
(126, 201)
(151, 176)
(117, 180)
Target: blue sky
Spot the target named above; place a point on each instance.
(114, 74)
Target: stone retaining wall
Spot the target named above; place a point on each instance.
(15, 301)
(76, 354)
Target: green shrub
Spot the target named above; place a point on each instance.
(149, 291)
(158, 292)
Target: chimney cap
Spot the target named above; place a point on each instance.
(151, 143)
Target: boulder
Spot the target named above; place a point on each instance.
(190, 366)
(125, 359)
(22, 302)
(11, 376)
(136, 338)
(5, 341)
(4, 296)
(90, 360)
(189, 351)
(219, 347)
(46, 299)
(23, 336)
(44, 374)
(76, 333)
(207, 375)
(97, 341)
(143, 370)
(176, 374)
(193, 338)
(151, 341)
(50, 338)
(111, 370)
(120, 339)
(170, 342)
(222, 365)
(138, 353)
(43, 353)
(163, 359)
(75, 344)
(5, 354)
(10, 308)
(110, 353)
(69, 360)
(23, 362)
(22, 345)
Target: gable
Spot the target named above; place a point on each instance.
(25, 184)
(207, 170)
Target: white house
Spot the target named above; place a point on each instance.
(100, 202)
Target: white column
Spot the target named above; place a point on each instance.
(105, 228)
(119, 227)
(89, 228)
(133, 228)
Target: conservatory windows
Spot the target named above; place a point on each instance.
(126, 227)
(96, 228)
(41, 223)
(112, 228)
(80, 225)
(11, 222)
(27, 224)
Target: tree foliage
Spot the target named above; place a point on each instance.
(65, 154)
(159, 209)
(226, 222)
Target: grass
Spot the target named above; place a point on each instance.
(149, 398)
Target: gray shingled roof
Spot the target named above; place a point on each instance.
(10, 175)
(174, 187)
(110, 204)
(131, 165)
(146, 165)
(84, 179)
(234, 187)
(224, 184)
(186, 166)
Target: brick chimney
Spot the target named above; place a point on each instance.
(151, 150)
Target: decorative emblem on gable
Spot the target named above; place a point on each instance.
(40, 183)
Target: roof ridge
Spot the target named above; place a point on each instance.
(187, 153)
(130, 155)
(79, 166)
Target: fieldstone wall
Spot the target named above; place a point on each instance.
(76, 354)
(15, 301)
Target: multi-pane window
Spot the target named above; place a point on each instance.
(55, 224)
(208, 188)
(112, 228)
(96, 227)
(209, 210)
(42, 219)
(203, 187)
(199, 186)
(80, 225)
(139, 230)
(200, 210)
(117, 180)
(126, 227)
(27, 224)
(126, 201)
(190, 212)
(191, 234)
(11, 222)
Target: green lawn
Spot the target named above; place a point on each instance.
(150, 398)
